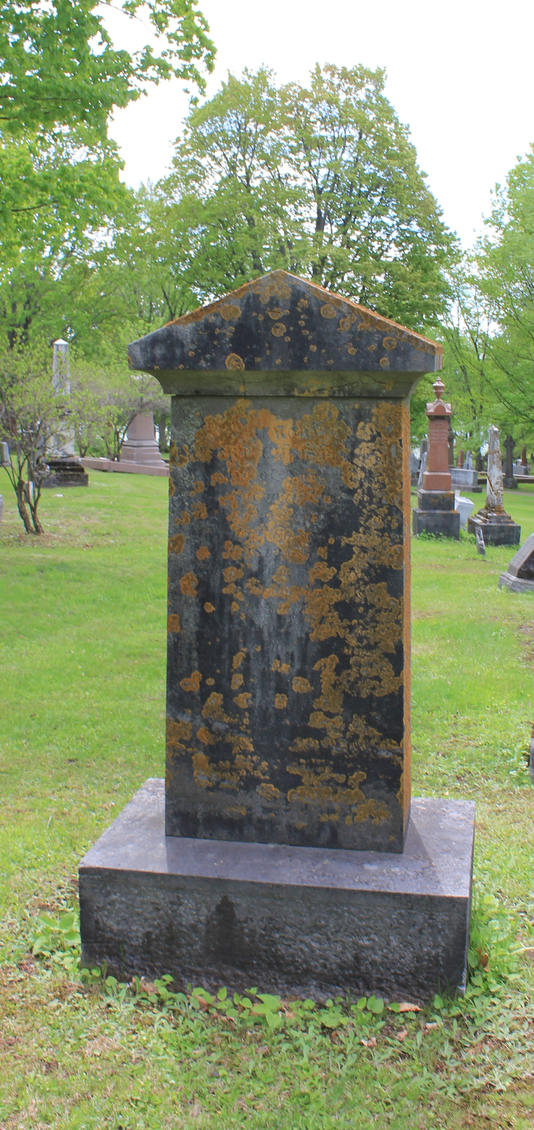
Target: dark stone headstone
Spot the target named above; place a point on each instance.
(519, 576)
(288, 674)
(510, 482)
(65, 473)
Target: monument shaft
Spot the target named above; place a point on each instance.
(288, 695)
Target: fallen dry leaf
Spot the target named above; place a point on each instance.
(402, 1035)
(433, 1025)
(370, 1043)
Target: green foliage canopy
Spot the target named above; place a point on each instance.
(321, 180)
(59, 66)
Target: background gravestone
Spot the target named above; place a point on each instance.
(288, 675)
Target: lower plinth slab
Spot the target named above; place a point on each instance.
(442, 523)
(515, 584)
(299, 921)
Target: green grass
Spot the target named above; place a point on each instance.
(81, 727)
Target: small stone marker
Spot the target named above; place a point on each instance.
(481, 548)
(519, 576)
(498, 527)
(435, 511)
(285, 850)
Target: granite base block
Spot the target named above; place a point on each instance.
(515, 584)
(445, 523)
(496, 533)
(300, 921)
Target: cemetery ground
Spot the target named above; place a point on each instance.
(81, 727)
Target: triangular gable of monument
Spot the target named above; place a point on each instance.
(281, 323)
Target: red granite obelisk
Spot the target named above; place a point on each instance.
(435, 511)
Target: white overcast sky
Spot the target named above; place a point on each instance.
(460, 74)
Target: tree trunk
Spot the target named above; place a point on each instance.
(19, 490)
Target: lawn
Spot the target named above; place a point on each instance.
(81, 727)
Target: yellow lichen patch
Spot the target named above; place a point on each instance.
(176, 543)
(209, 607)
(203, 553)
(344, 324)
(238, 659)
(234, 361)
(373, 810)
(217, 479)
(243, 700)
(389, 343)
(192, 683)
(301, 686)
(172, 487)
(278, 330)
(173, 454)
(236, 681)
(232, 552)
(304, 745)
(328, 310)
(204, 736)
(283, 667)
(188, 584)
(213, 708)
(320, 437)
(199, 510)
(322, 551)
(176, 733)
(321, 572)
(329, 816)
(229, 311)
(331, 698)
(280, 701)
(235, 811)
(384, 362)
(173, 623)
(210, 682)
(254, 586)
(268, 792)
(317, 789)
(183, 519)
(198, 487)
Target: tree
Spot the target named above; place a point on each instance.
(322, 181)
(104, 401)
(505, 283)
(59, 66)
(32, 410)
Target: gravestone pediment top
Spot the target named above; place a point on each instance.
(281, 325)
(522, 563)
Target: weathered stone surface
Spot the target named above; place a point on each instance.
(437, 476)
(519, 576)
(443, 523)
(497, 527)
(515, 584)
(522, 563)
(140, 446)
(435, 499)
(289, 622)
(283, 336)
(65, 473)
(299, 921)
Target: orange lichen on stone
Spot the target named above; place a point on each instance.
(176, 543)
(192, 683)
(209, 607)
(173, 622)
(188, 584)
(203, 553)
(176, 733)
(280, 701)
